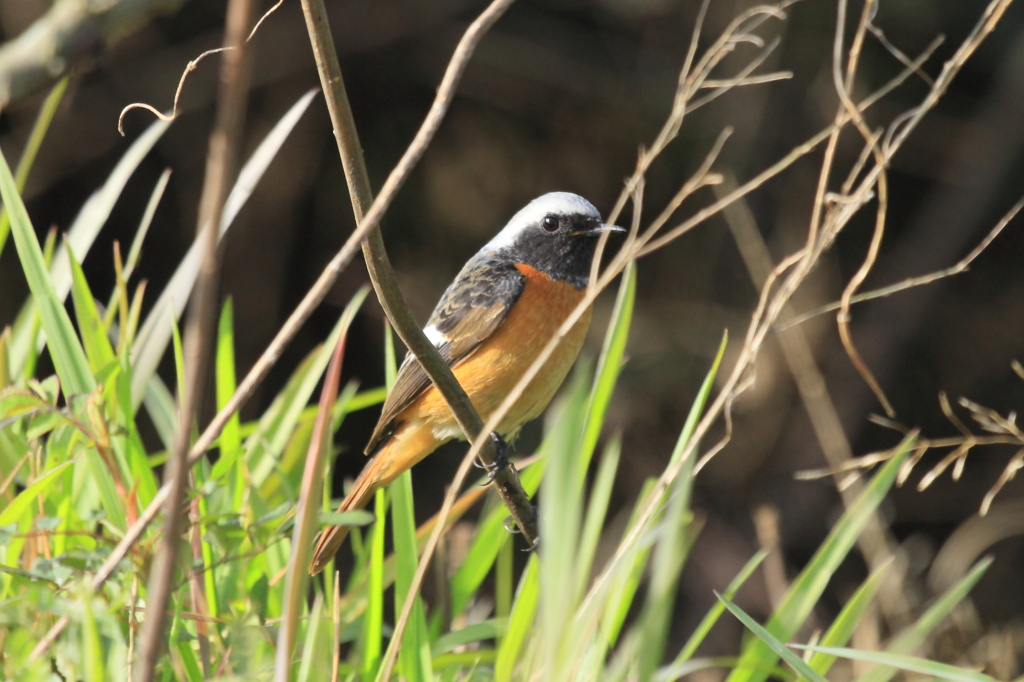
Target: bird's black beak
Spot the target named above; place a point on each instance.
(597, 228)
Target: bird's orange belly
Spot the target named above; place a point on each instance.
(493, 369)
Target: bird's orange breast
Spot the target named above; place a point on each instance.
(495, 367)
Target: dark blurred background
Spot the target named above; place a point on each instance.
(559, 96)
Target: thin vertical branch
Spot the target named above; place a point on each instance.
(220, 167)
(306, 508)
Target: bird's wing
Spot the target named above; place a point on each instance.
(472, 308)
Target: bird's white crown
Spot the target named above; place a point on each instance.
(552, 203)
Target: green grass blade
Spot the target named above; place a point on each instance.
(597, 506)
(189, 661)
(92, 649)
(6, 376)
(161, 409)
(155, 333)
(128, 441)
(471, 634)
(777, 646)
(624, 578)
(230, 439)
(700, 633)
(910, 664)
(67, 353)
(698, 405)
(315, 663)
(914, 636)
(210, 573)
(132, 259)
(560, 523)
(373, 630)
(264, 446)
(86, 227)
(94, 333)
(32, 145)
(758, 659)
(623, 575)
(841, 630)
(96, 210)
(520, 624)
(609, 364)
(179, 357)
(100, 479)
(135, 250)
(667, 562)
(414, 649)
(27, 325)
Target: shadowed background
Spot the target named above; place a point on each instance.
(558, 97)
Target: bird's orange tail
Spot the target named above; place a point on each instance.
(332, 538)
(404, 448)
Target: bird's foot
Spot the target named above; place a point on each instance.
(511, 526)
(500, 458)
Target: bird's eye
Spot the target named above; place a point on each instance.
(550, 223)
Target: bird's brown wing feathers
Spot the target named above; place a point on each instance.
(472, 308)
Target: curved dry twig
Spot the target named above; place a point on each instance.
(843, 86)
(960, 267)
(189, 68)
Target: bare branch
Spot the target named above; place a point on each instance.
(961, 266)
(221, 163)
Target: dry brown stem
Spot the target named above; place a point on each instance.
(220, 169)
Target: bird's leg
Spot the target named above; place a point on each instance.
(500, 458)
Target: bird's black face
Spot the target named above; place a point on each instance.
(556, 233)
(560, 245)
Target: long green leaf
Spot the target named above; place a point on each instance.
(841, 630)
(86, 227)
(373, 631)
(155, 333)
(264, 447)
(35, 141)
(758, 659)
(477, 632)
(230, 440)
(68, 356)
(414, 649)
(521, 622)
(97, 208)
(914, 636)
(666, 564)
(94, 333)
(910, 664)
(19, 510)
(700, 633)
(609, 363)
(778, 647)
(92, 649)
(315, 663)
(561, 491)
(597, 505)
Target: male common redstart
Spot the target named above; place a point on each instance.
(491, 324)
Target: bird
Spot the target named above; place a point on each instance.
(491, 323)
